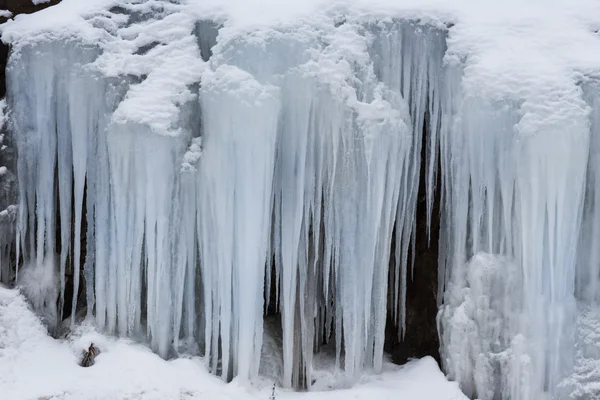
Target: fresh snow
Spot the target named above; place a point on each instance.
(510, 49)
(35, 366)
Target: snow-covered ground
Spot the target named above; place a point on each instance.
(34, 366)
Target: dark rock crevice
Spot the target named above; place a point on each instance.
(421, 336)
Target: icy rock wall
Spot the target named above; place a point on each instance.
(515, 189)
(294, 154)
(207, 164)
(54, 144)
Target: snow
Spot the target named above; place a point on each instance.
(33, 365)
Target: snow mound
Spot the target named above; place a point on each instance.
(34, 366)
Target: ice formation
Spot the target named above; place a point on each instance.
(297, 167)
(8, 198)
(181, 167)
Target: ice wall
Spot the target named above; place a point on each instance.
(515, 186)
(182, 167)
(177, 200)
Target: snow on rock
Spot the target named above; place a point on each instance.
(125, 370)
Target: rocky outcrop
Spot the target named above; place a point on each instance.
(89, 356)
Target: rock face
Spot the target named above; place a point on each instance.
(421, 338)
(89, 356)
(421, 303)
(16, 7)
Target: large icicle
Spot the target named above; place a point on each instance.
(236, 178)
(588, 269)
(514, 179)
(60, 112)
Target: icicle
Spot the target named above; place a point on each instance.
(507, 192)
(234, 202)
(408, 60)
(588, 269)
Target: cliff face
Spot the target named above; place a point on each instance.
(16, 7)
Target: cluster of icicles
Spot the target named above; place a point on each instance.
(289, 171)
(297, 164)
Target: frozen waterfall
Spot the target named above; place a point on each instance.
(303, 167)
(182, 171)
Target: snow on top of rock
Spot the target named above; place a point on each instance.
(535, 53)
(165, 54)
(66, 19)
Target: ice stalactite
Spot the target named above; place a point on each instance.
(58, 119)
(408, 60)
(583, 383)
(514, 180)
(234, 206)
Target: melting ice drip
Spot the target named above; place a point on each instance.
(297, 152)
